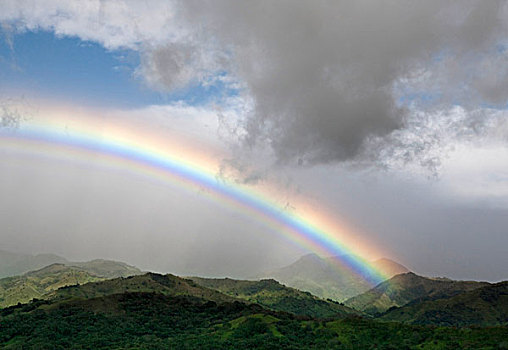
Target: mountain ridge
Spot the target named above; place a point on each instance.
(405, 288)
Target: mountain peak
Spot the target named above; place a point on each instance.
(389, 267)
(329, 277)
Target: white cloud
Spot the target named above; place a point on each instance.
(114, 24)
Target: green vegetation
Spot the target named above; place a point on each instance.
(273, 295)
(167, 285)
(152, 321)
(487, 306)
(405, 288)
(328, 278)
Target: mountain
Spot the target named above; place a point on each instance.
(405, 288)
(486, 306)
(327, 278)
(12, 264)
(175, 313)
(39, 283)
(275, 296)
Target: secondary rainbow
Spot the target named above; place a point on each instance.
(124, 151)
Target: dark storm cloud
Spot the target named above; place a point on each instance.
(324, 77)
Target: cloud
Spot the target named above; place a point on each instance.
(114, 24)
(12, 113)
(323, 75)
(175, 66)
(430, 138)
(322, 79)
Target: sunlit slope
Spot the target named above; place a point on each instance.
(405, 288)
(486, 306)
(328, 278)
(273, 295)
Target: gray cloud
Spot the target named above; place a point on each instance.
(325, 77)
(172, 66)
(429, 137)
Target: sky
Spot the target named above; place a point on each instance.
(386, 122)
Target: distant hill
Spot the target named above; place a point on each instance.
(328, 278)
(405, 288)
(486, 306)
(273, 295)
(39, 283)
(12, 264)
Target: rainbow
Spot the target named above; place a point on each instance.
(124, 148)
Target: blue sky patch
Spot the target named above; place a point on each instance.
(86, 72)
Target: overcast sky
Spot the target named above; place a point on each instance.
(390, 115)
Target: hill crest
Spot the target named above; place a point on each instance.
(484, 306)
(273, 295)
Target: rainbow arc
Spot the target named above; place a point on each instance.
(124, 149)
